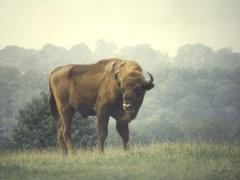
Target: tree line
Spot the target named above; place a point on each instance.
(196, 95)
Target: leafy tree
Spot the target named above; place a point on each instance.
(145, 55)
(84, 131)
(37, 128)
(80, 53)
(20, 58)
(194, 56)
(3, 139)
(9, 78)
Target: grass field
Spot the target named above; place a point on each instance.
(156, 161)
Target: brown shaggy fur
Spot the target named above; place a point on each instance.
(100, 89)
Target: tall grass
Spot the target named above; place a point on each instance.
(156, 161)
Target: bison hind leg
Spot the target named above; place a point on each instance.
(60, 137)
(66, 115)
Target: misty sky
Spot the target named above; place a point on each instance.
(165, 24)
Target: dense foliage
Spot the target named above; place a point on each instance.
(36, 127)
(193, 104)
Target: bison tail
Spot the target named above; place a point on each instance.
(52, 102)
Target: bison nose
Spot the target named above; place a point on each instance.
(127, 107)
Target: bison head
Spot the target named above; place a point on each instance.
(133, 87)
(132, 84)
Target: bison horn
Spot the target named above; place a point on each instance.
(151, 78)
(149, 84)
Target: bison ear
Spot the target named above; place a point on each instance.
(116, 76)
(114, 66)
(110, 67)
(148, 86)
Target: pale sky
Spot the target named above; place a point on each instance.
(164, 24)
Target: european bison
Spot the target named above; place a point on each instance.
(112, 87)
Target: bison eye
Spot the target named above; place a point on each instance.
(139, 90)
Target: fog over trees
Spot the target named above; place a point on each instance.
(196, 94)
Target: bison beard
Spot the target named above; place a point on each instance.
(111, 87)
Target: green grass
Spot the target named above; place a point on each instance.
(156, 161)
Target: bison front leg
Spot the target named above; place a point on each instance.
(123, 131)
(102, 130)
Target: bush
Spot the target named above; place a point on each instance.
(36, 127)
